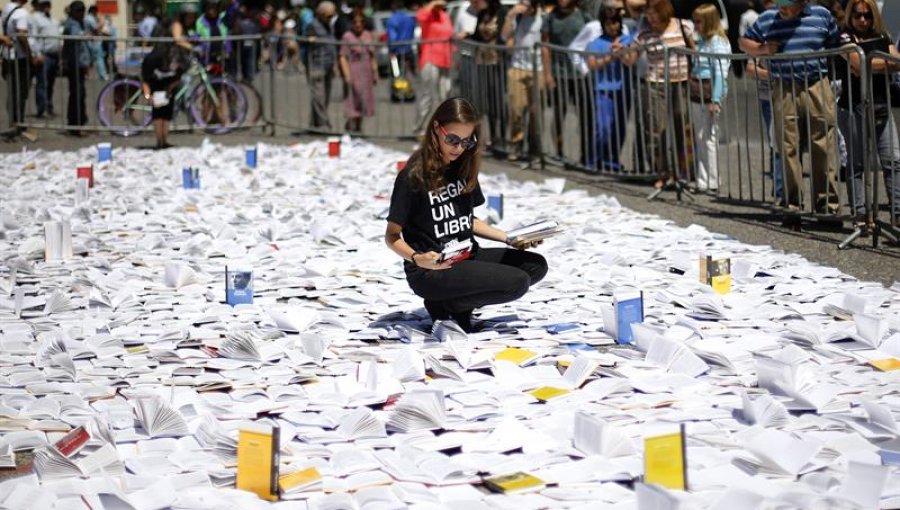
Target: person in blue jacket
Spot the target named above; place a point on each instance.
(610, 92)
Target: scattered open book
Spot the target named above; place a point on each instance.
(516, 483)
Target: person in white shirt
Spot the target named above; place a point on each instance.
(17, 59)
(45, 42)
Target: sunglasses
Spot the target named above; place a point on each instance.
(863, 15)
(455, 141)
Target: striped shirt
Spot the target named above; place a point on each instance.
(813, 30)
(672, 37)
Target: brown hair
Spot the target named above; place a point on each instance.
(877, 21)
(662, 8)
(427, 171)
(711, 21)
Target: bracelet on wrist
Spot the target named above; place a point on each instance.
(412, 258)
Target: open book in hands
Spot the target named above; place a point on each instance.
(533, 232)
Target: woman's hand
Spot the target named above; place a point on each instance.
(524, 245)
(429, 260)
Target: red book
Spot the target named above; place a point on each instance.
(86, 172)
(73, 441)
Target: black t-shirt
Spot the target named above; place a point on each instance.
(432, 219)
(879, 81)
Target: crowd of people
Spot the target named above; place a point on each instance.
(804, 102)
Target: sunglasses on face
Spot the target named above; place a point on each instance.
(455, 141)
(863, 15)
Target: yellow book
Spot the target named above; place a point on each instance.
(520, 357)
(716, 272)
(886, 364)
(665, 461)
(299, 481)
(514, 483)
(257, 460)
(545, 393)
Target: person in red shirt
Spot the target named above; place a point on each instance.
(434, 59)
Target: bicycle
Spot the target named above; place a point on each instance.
(217, 103)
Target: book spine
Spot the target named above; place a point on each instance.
(276, 460)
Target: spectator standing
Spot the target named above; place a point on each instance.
(95, 28)
(434, 59)
(359, 70)
(490, 87)
(801, 94)
(248, 26)
(321, 60)
(464, 28)
(211, 28)
(76, 59)
(758, 69)
(109, 46)
(401, 26)
(864, 26)
(663, 95)
(17, 59)
(45, 33)
(161, 71)
(610, 93)
(564, 84)
(522, 29)
(146, 23)
(709, 85)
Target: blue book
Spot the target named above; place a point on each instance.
(563, 327)
(238, 286)
(495, 202)
(629, 308)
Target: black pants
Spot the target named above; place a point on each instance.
(18, 77)
(491, 276)
(77, 109)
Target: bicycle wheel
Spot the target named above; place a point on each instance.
(120, 107)
(254, 103)
(220, 111)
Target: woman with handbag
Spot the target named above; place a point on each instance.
(709, 84)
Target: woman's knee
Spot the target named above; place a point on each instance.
(536, 267)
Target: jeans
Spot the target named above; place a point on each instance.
(491, 276)
(765, 107)
(45, 79)
(888, 149)
(612, 116)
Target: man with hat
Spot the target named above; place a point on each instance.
(802, 95)
(45, 35)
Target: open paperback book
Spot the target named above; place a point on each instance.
(534, 232)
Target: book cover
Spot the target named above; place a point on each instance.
(520, 357)
(299, 481)
(257, 461)
(563, 327)
(190, 178)
(629, 309)
(85, 171)
(72, 442)
(456, 251)
(715, 271)
(495, 203)
(238, 286)
(886, 364)
(665, 462)
(514, 483)
(547, 393)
